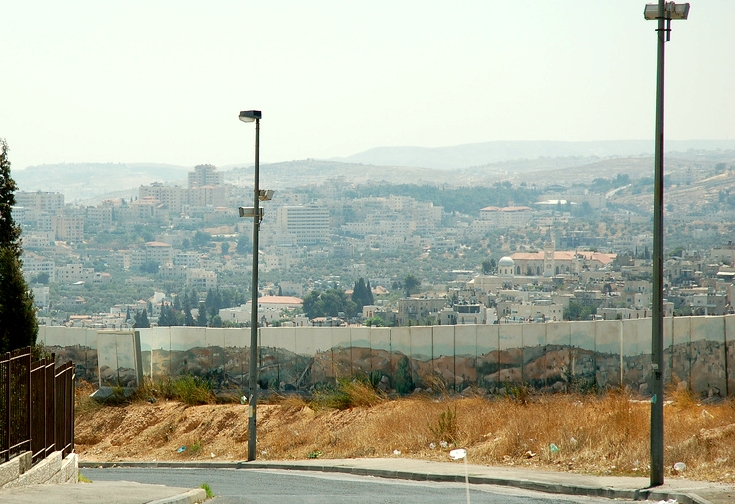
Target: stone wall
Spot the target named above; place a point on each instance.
(53, 469)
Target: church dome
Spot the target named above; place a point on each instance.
(506, 261)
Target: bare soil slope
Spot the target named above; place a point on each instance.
(593, 435)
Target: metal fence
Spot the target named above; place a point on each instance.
(36, 406)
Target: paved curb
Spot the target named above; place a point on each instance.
(194, 496)
(525, 484)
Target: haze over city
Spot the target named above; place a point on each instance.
(163, 82)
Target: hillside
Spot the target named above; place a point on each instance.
(527, 162)
(605, 435)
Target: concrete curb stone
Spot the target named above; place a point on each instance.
(193, 496)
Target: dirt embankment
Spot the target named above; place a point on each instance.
(606, 435)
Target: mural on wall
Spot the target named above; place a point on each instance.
(551, 357)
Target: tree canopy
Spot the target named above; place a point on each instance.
(411, 284)
(328, 303)
(362, 294)
(18, 324)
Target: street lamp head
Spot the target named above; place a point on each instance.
(250, 115)
(671, 11)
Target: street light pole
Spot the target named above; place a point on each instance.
(662, 12)
(250, 116)
(657, 343)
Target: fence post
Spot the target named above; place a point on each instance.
(7, 406)
(29, 422)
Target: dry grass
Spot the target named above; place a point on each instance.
(600, 435)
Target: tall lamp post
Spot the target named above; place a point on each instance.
(257, 215)
(663, 12)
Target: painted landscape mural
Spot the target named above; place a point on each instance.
(551, 357)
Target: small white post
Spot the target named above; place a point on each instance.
(457, 454)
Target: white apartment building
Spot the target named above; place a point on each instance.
(41, 296)
(388, 243)
(723, 254)
(172, 198)
(208, 195)
(426, 217)
(99, 216)
(187, 259)
(507, 217)
(33, 265)
(270, 308)
(73, 272)
(308, 224)
(204, 175)
(49, 202)
(201, 279)
(68, 227)
(38, 240)
(158, 252)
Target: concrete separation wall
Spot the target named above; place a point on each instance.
(53, 469)
(555, 356)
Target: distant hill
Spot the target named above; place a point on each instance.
(84, 181)
(540, 163)
(479, 154)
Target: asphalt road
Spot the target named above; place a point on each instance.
(241, 486)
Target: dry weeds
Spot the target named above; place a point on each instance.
(586, 434)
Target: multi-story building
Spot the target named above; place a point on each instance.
(201, 279)
(308, 224)
(173, 198)
(416, 309)
(187, 259)
(204, 175)
(158, 252)
(50, 202)
(68, 227)
(33, 265)
(506, 217)
(99, 216)
(73, 272)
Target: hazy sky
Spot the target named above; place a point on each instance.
(163, 81)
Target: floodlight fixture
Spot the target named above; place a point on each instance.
(250, 115)
(250, 212)
(672, 10)
(265, 194)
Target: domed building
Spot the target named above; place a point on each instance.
(506, 267)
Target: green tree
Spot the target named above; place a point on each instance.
(41, 278)
(328, 303)
(361, 295)
(141, 319)
(370, 297)
(202, 316)
(201, 239)
(18, 324)
(244, 245)
(411, 284)
(9, 230)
